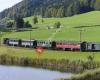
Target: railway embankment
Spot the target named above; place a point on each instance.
(63, 65)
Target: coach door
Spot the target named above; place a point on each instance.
(53, 45)
(20, 43)
(84, 46)
(35, 44)
(93, 46)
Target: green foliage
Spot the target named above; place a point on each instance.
(51, 8)
(60, 12)
(27, 25)
(19, 23)
(5, 20)
(10, 24)
(35, 20)
(57, 25)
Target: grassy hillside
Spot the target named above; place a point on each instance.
(90, 22)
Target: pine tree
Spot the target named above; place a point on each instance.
(27, 25)
(19, 23)
(60, 12)
(35, 20)
(57, 25)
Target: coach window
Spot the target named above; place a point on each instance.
(38, 42)
(43, 43)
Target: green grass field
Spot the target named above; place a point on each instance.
(31, 53)
(90, 22)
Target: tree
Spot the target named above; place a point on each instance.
(19, 23)
(50, 8)
(10, 24)
(70, 10)
(35, 20)
(57, 25)
(27, 25)
(60, 12)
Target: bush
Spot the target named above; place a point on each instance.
(57, 25)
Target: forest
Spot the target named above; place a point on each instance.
(50, 8)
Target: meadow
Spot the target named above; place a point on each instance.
(88, 22)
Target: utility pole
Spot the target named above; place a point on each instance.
(30, 38)
(81, 30)
(80, 35)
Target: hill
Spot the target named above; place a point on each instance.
(90, 22)
(50, 8)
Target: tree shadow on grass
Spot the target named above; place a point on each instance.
(86, 26)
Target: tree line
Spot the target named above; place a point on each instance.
(19, 23)
(50, 8)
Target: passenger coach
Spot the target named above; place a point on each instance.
(54, 45)
(90, 46)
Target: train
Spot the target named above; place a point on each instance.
(54, 44)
